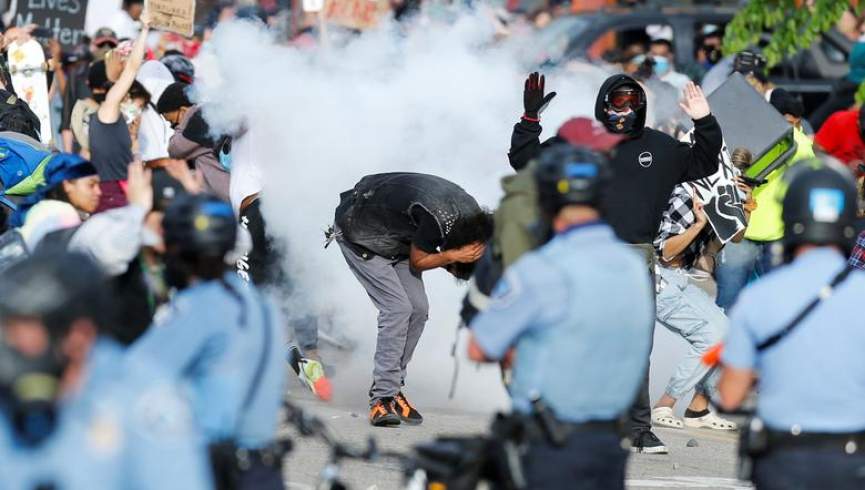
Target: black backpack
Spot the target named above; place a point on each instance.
(16, 116)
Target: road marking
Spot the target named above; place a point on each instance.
(689, 482)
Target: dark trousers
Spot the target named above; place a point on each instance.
(639, 417)
(591, 459)
(264, 267)
(810, 468)
(261, 477)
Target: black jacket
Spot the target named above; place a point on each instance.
(646, 166)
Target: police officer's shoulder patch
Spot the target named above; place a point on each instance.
(507, 290)
(160, 411)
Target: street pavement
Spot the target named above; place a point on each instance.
(708, 465)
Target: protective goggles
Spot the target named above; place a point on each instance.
(625, 99)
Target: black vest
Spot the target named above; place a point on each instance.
(377, 213)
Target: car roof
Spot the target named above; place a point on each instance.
(614, 12)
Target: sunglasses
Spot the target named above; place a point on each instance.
(625, 100)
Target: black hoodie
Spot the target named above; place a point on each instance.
(647, 165)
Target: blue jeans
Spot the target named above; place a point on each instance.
(687, 311)
(738, 264)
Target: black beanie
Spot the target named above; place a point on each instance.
(786, 103)
(173, 98)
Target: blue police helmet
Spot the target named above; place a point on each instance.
(199, 225)
(819, 205)
(569, 175)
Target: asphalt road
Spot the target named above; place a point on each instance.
(711, 464)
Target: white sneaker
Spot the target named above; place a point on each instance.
(710, 421)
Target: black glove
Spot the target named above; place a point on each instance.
(534, 100)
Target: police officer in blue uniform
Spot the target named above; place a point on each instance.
(574, 317)
(223, 337)
(800, 331)
(74, 412)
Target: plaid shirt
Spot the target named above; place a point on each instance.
(677, 218)
(857, 258)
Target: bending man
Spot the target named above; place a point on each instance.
(391, 228)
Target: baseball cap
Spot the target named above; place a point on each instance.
(104, 35)
(588, 133)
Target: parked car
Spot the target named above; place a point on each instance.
(810, 73)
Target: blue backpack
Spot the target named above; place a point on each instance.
(22, 165)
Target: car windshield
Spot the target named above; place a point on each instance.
(549, 44)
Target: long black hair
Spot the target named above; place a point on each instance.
(469, 229)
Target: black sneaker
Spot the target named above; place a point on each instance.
(407, 413)
(647, 442)
(382, 413)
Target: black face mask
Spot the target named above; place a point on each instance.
(621, 123)
(29, 389)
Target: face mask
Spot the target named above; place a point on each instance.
(30, 386)
(130, 111)
(662, 65)
(621, 123)
(713, 55)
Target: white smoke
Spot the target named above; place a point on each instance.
(437, 98)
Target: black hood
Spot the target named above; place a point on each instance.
(611, 84)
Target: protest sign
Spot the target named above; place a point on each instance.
(172, 15)
(355, 14)
(721, 198)
(63, 18)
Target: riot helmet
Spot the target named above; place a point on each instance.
(568, 175)
(199, 232)
(51, 292)
(819, 206)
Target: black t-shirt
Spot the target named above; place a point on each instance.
(110, 148)
(428, 236)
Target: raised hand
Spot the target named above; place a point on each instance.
(139, 186)
(534, 100)
(693, 102)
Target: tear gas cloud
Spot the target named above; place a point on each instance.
(435, 99)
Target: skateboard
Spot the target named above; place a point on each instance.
(28, 69)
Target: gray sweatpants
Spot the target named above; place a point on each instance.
(398, 294)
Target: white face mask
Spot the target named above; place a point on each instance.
(130, 111)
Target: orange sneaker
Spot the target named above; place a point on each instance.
(407, 413)
(383, 413)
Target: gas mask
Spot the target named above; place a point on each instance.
(130, 111)
(621, 123)
(29, 387)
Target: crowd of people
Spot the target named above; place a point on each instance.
(144, 318)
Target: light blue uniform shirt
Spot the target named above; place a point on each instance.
(580, 312)
(214, 340)
(127, 427)
(815, 376)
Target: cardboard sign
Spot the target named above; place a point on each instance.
(172, 15)
(721, 199)
(64, 18)
(355, 14)
(313, 5)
